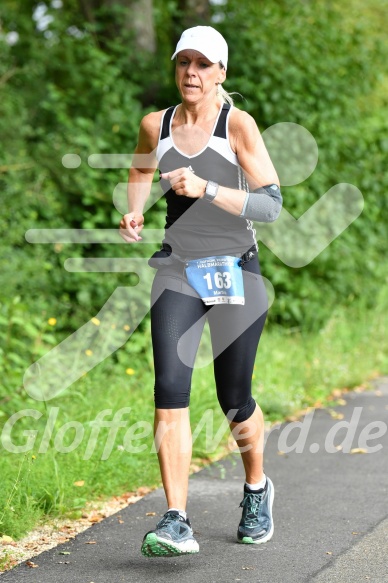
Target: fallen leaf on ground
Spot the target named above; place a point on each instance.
(341, 402)
(336, 393)
(150, 513)
(64, 552)
(143, 490)
(95, 518)
(30, 545)
(31, 564)
(358, 450)
(127, 495)
(8, 562)
(6, 540)
(79, 483)
(335, 415)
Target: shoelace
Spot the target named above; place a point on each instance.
(168, 518)
(252, 502)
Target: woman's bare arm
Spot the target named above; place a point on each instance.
(254, 159)
(141, 175)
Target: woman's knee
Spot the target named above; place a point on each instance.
(170, 394)
(237, 410)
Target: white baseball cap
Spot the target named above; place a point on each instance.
(206, 40)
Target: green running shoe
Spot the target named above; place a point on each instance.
(173, 536)
(256, 524)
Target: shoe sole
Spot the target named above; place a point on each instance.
(251, 541)
(157, 547)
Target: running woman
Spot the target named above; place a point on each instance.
(217, 178)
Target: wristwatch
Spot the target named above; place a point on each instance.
(211, 191)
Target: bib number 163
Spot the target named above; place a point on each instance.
(220, 280)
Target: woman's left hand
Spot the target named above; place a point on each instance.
(185, 183)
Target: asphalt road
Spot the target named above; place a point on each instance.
(330, 512)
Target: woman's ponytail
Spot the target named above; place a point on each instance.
(224, 95)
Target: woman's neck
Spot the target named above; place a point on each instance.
(193, 113)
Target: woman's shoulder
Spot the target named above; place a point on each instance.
(150, 128)
(242, 127)
(240, 120)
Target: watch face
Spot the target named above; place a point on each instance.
(211, 189)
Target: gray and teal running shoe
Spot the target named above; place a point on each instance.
(173, 536)
(256, 524)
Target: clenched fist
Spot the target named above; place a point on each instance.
(185, 183)
(130, 227)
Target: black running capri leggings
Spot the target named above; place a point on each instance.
(177, 319)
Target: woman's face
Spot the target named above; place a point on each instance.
(197, 77)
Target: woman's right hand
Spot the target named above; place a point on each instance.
(130, 227)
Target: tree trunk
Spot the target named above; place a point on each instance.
(137, 18)
(197, 12)
(140, 20)
(190, 13)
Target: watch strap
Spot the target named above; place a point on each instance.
(210, 191)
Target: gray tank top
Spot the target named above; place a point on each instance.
(194, 227)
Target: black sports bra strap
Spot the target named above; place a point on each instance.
(166, 123)
(220, 131)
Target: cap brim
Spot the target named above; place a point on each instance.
(196, 45)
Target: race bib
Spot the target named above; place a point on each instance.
(218, 280)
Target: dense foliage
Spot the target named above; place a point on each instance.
(71, 85)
